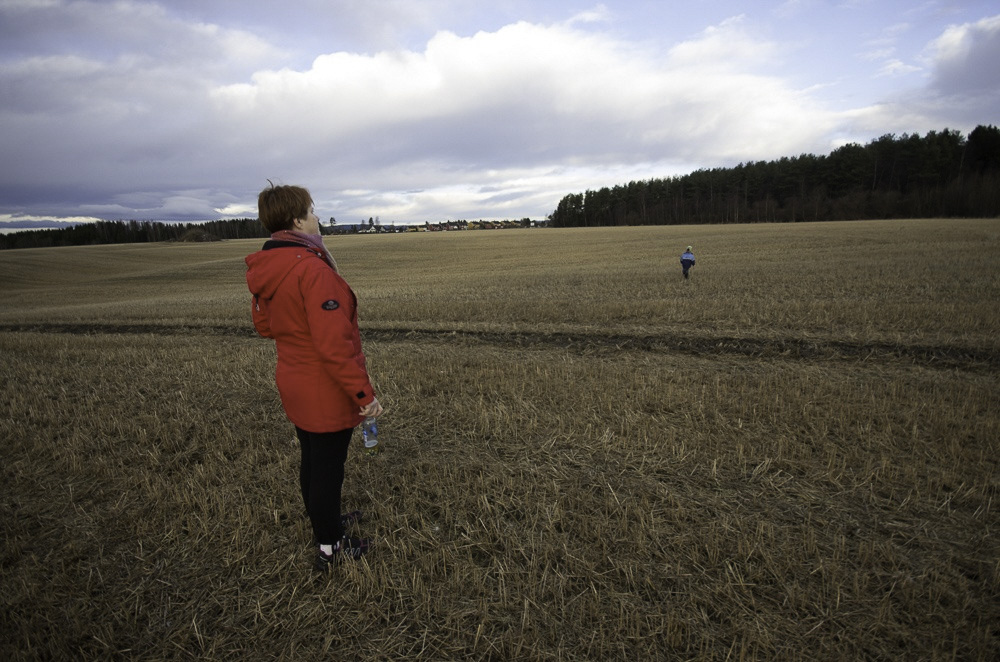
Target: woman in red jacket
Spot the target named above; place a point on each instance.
(302, 302)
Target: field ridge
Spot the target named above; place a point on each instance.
(936, 356)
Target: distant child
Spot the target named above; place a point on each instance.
(687, 261)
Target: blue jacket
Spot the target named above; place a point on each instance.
(688, 257)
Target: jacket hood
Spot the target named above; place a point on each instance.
(267, 268)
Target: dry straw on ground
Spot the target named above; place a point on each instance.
(791, 456)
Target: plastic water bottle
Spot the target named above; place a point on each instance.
(369, 434)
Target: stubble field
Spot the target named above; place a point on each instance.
(793, 455)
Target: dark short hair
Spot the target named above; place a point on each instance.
(279, 206)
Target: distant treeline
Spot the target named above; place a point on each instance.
(127, 232)
(942, 174)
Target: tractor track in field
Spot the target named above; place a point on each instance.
(937, 356)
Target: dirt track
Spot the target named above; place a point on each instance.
(935, 356)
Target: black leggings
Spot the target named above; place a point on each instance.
(321, 477)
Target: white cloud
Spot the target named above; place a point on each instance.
(13, 218)
(878, 54)
(727, 46)
(236, 210)
(897, 68)
(965, 58)
(598, 14)
(963, 89)
(546, 87)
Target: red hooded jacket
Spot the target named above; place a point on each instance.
(311, 313)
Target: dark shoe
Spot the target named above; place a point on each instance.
(325, 562)
(351, 518)
(346, 521)
(352, 548)
(346, 548)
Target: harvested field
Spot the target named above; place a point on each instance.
(791, 456)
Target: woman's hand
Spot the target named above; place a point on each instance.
(373, 408)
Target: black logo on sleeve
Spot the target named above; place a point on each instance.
(332, 304)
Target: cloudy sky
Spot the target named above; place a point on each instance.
(428, 110)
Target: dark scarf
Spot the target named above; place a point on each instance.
(312, 241)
